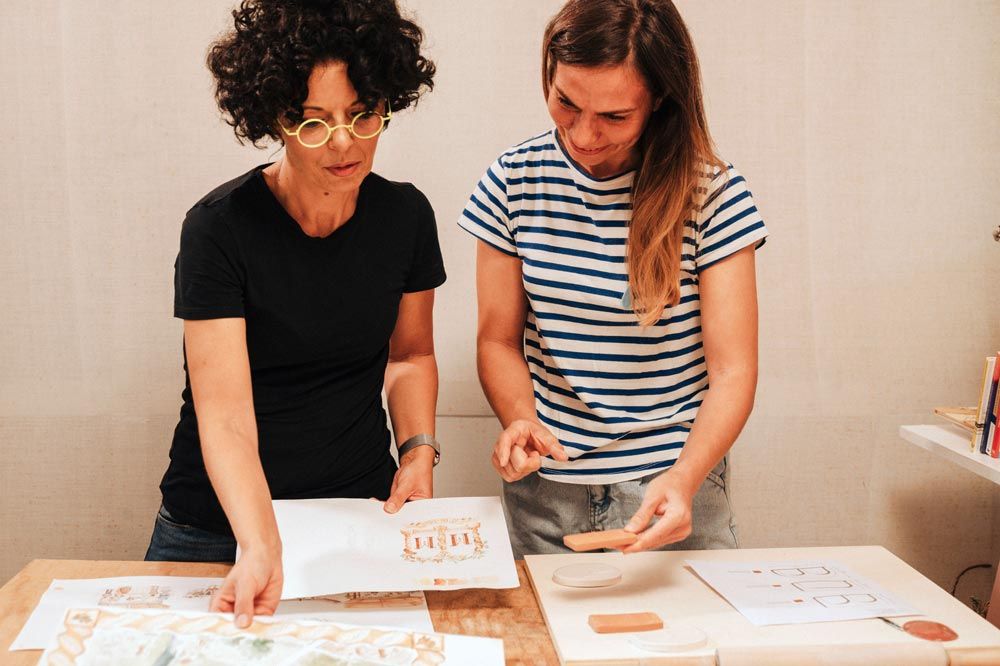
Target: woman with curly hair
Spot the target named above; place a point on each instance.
(617, 292)
(305, 286)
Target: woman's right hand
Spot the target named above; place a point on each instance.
(253, 586)
(520, 447)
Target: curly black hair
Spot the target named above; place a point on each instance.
(262, 66)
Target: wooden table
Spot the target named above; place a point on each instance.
(511, 615)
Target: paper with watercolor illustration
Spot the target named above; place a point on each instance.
(343, 545)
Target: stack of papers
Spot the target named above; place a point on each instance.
(395, 609)
(345, 561)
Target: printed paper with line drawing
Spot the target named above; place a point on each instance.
(797, 592)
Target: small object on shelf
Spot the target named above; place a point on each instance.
(620, 623)
(993, 445)
(963, 417)
(600, 539)
(989, 420)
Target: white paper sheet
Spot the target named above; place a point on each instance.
(794, 592)
(92, 636)
(344, 545)
(163, 592)
(194, 594)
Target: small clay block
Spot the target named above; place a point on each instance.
(596, 540)
(625, 622)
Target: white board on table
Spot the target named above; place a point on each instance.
(661, 582)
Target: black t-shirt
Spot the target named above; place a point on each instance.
(319, 313)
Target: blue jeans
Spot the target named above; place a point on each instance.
(540, 512)
(175, 542)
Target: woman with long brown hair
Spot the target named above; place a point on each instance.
(617, 337)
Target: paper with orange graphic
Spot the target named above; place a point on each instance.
(93, 636)
(332, 546)
(391, 609)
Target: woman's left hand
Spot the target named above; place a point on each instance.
(414, 479)
(669, 498)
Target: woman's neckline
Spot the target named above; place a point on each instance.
(576, 166)
(280, 208)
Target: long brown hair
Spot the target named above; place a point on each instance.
(676, 146)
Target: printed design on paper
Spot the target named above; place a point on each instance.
(127, 596)
(443, 540)
(114, 636)
(376, 600)
(202, 592)
(826, 600)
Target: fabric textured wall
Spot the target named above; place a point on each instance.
(867, 132)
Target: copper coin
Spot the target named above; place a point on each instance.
(929, 631)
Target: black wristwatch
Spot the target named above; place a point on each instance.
(421, 440)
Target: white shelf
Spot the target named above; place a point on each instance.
(952, 443)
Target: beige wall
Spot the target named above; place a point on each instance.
(868, 132)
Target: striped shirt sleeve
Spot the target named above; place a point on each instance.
(486, 215)
(729, 220)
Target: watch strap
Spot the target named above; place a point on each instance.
(422, 439)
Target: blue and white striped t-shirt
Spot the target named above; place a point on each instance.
(621, 398)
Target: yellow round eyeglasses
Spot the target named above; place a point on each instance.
(315, 132)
